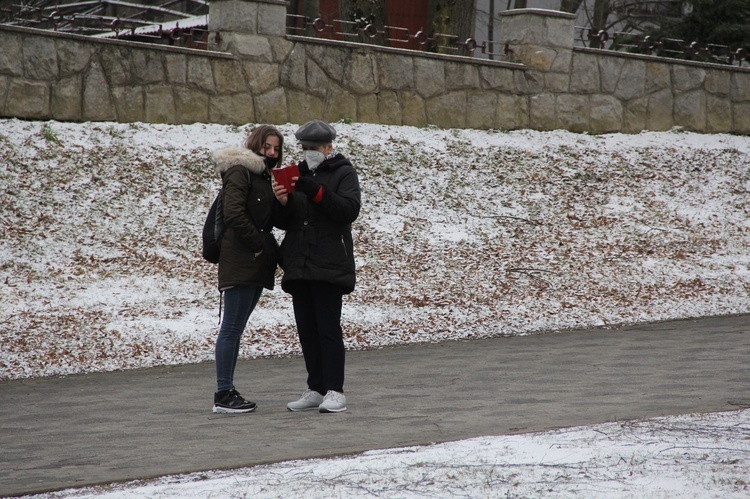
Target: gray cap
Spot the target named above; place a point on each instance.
(315, 133)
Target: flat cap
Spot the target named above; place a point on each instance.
(315, 133)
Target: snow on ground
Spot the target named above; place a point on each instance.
(462, 234)
(685, 457)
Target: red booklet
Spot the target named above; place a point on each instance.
(284, 176)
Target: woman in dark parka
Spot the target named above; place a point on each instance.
(317, 256)
(249, 253)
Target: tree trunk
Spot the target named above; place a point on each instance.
(451, 17)
(520, 4)
(599, 20)
(571, 6)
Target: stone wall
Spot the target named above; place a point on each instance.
(254, 72)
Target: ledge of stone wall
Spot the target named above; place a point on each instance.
(661, 60)
(405, 52)
(111, 41)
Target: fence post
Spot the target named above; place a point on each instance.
(540, 39)
(243, 27)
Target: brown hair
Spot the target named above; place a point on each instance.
(256, 139)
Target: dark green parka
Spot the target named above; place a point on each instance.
(318, 242)
(249, 252)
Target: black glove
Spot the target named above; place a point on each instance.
(308, 187)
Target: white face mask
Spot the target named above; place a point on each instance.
(314, 158)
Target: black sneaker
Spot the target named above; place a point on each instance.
(231, 402)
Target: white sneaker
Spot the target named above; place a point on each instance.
(308, 401)
(333, 402)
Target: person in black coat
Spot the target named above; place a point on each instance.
(248, 250)
(317, 257)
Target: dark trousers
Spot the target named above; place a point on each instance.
(239, 303)
(317, 311)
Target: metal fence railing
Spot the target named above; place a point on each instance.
(664, 47)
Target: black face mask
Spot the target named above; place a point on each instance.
(270, 162)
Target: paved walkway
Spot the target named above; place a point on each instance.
(98, 428)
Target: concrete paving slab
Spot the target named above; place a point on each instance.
(99, 428)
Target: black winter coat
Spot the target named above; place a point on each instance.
(248, 204)
(318, 242)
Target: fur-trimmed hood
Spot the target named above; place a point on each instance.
(228, 157)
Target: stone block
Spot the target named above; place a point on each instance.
(160, 104)
(116, 63)
(129, 103)
(461, 76)
(660, 111)
(658, 77)
(563, 61)
(147, 67)
(740, 87)
(556, 82)
(573, 112)
(27, 99)
(395, 72)
(634, 115)
(261, 76)
(271, 107)
(543, 112)
(254, 47)
(605, 114)
(367, 109)
(481, 109)
(584, 74)
(551, 28)
(4, 81)
(741, 118)
(332, 60)
(237, 16)
(413, 111)
(496, 78)
(191, 105)
(40, 58)
(292, 72)
(359, 73)
(10, 63)
(176, 68)
(200, 74)
(280, 49)
(632, 82)
(718, 83)
(512, 112)
(272, 19)
(97, 101)
(686, 78)
(228, 76)
(389, 108)
(429, 77)
(690, 110)
(66, 99)
(317, 80)
(718, 114)
(236, 109)
(303, 107)
(610, 69)
(339, 105)
(447, 110)
(536, 57)
(534, 82)
(74, 57)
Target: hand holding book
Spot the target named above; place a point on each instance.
(284, 176)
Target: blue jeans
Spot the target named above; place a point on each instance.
(239, 303)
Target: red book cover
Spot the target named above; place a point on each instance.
(284, 176)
